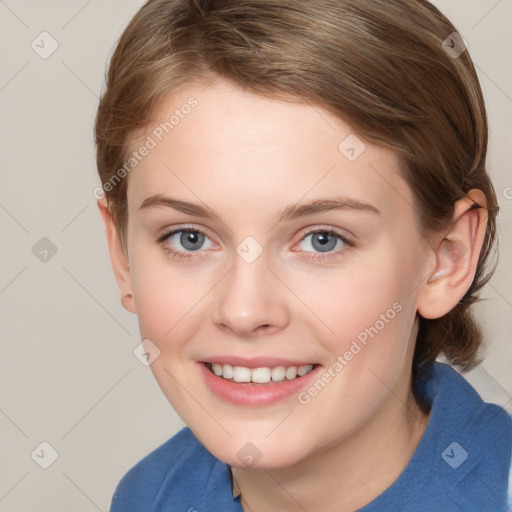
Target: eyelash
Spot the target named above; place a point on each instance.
(200, 254)
(178, 254)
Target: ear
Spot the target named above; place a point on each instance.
(118, 257)
(456, 257)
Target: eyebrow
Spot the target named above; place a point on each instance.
(290, 212)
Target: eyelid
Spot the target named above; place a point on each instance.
(167, 233)
(346, 238)
(325, 257)
(305, 232)
(311, 230)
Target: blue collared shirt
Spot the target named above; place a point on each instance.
(462, 463)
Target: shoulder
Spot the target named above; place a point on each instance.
(147, 485)
(467, 445)
(460, 410)
(457, 404)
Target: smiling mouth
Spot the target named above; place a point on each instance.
(261, 375)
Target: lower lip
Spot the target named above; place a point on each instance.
(252, 394)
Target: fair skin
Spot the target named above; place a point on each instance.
(247, 157)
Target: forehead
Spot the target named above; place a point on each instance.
(235, 150)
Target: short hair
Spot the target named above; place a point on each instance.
(387, 67)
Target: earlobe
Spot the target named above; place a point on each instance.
(456, 257)
(118, 258)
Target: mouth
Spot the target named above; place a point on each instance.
(259, 375)
(251, 383)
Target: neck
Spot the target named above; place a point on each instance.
(346, 476)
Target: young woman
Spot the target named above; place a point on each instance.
(298, 211)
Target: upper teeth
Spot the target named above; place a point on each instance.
(260, 375)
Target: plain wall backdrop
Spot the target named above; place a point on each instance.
(68, 375)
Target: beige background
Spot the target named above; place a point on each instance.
(68, 374)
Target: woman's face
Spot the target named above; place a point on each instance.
(264, 234)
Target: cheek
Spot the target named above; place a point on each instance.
(357, 304)
(166, 297)
(370, 313)
(168, 302)
(372, 316)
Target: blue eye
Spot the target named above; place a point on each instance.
(324, 241)
(190, 240)
(187, 243)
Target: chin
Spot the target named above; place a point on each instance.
(252, 451)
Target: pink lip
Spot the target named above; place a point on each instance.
(251, 394)
(255, 362)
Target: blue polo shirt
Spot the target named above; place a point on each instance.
(461, 464)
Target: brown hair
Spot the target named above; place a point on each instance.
(378, 64)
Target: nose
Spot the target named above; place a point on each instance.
(250, 301)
